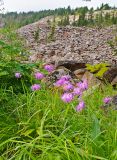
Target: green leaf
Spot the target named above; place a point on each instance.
(4, 73)
(28, 132)
(95, 128)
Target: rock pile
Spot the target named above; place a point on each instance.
(82, 44)
(72, 48)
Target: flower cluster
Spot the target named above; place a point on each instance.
(49, 67)
(71, 91)
(67, 97)
(35, 87)
(83, 85)
(39, 75)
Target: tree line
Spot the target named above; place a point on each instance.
(22, 18)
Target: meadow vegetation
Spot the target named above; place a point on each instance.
(37, 122)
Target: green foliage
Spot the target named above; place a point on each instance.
(113, 45)
(105, 6)
(39, 125)
(7, 75)
(37, 34)
(64, 21)
(51, 35)
(11, 55)
(21, 19)
(98, 70)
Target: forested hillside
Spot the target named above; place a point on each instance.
(104, 14)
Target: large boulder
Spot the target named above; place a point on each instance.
(79, 73)
(114, 101)
(91, 79)
(71, 65)
(110, 75)
(114, 82)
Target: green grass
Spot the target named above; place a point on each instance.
(39, 125)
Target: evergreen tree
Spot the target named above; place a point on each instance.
(69, 10)
(51, 36)
(100, 18)
(37, 34)
(107, 18)
(113, 19)
(91, 20)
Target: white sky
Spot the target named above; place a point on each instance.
(36, 5)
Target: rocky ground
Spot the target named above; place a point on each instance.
(72, 48)
(82, 44)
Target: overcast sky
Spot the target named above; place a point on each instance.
(36, 5)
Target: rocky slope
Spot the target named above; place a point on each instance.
(82, 44)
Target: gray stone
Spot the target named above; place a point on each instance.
(90, 44)
(79, 73)
(110, 75)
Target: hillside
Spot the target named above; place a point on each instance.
(90, 45)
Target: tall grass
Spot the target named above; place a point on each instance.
(39, 125)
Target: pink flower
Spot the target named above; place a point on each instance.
(68, 87)
(67, 97)
(35, 87)
(79, 84)
(64, 80)
(107, 100)
(80, 107)
(66, 77)
(39, 75)
(77, 91)
(49, 67)
(61, 82)
(18, 75)
(83, 85)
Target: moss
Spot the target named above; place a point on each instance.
(98, 70)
